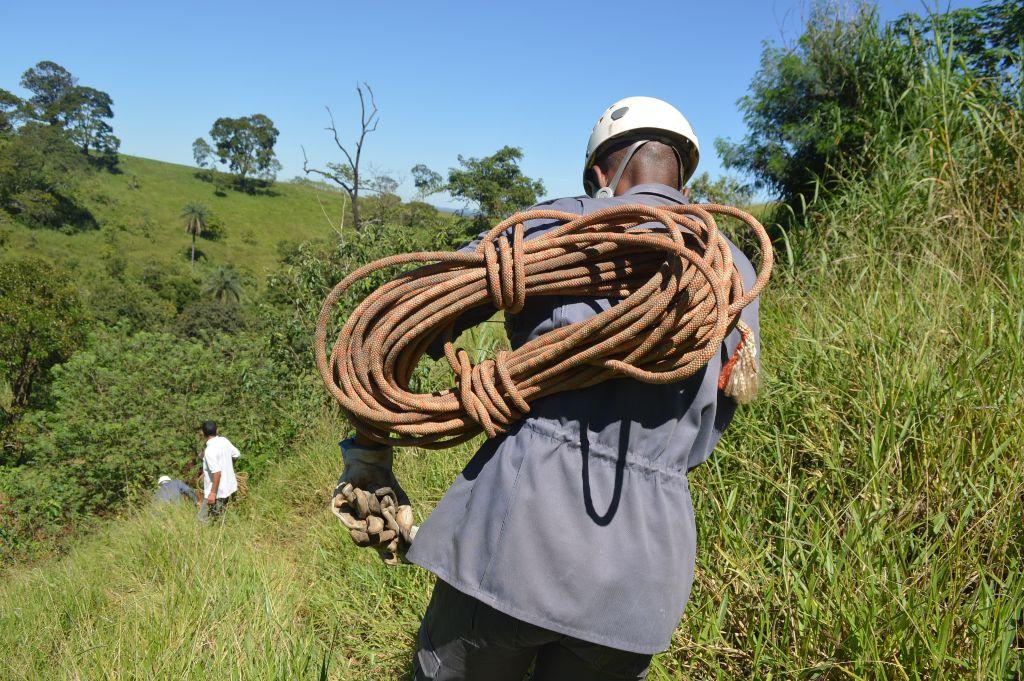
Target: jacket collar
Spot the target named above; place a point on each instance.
(662, 190)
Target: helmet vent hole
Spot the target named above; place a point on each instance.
(619, 113)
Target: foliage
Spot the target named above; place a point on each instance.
(9, 111)
(419, 215)
(49, 83)
(426, 181)
(224, 285)
(41, 323)
(86, 126)
(816, 105)
(813, 103)
(988, 39)
(39, 176)
(206, 318)
(127, 409)
(126, 303)
(173, 283)
(58, 100)
(245, 145)
(726, 190)
(47, 144)
(203, 153)
(495, 184)
(135, 297)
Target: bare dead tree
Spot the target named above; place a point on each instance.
(347, 173)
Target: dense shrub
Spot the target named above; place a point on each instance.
(815, 106)
(126, 303)
(127, 409)
(309, 270)
(40, 170)
(41, 323)
(203, 318)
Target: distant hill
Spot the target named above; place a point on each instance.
(139, 210)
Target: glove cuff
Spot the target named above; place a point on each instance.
(381, 455)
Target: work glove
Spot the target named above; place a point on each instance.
(371, 504)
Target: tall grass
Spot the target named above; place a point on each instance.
(862, 520)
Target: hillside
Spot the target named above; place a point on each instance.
(139, 214)
(860, 519)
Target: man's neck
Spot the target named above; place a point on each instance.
(625, 184)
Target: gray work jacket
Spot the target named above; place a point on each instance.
(579, 519)
(175, 490)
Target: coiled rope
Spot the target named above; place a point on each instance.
(680, 295)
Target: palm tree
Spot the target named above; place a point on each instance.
(196, 216)
(224, 285)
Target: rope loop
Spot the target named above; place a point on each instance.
(669, 267)
(505, 270)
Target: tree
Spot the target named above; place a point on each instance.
(202, 152)
(246, 146)
(10, 105)
(426, 181)
(495, 183)
(49, 83)
(85, 111)
(58, 100)
(41, 323)
(196, 216)
(348, 173)
(725, 190)
(39, 174)
(224, 285)
(988, 38)
(812, 104)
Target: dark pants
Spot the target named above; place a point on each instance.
(208, 512)
(462, 639)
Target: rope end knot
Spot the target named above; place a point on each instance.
(741, 376)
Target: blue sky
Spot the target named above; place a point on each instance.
(450, 78)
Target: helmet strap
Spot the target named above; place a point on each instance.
(609, 191)
(679, 159)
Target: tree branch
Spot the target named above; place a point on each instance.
(334, 131)
(322, 173)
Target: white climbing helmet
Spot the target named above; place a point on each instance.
(634, 116)
(163, 479)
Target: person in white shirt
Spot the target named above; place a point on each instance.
(219, 481)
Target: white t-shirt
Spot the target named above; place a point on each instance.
(219, 458)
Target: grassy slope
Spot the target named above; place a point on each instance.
(145, 222)
(861, 520)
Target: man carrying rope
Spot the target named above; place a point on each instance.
(568, 542)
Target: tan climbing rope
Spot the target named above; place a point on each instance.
(680, 296)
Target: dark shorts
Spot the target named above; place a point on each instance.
(465, 640)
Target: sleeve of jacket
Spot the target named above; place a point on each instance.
(750, 315)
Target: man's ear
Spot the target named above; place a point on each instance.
(600, 179)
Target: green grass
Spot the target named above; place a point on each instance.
(139, 213)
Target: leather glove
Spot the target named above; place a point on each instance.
(371, 504)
